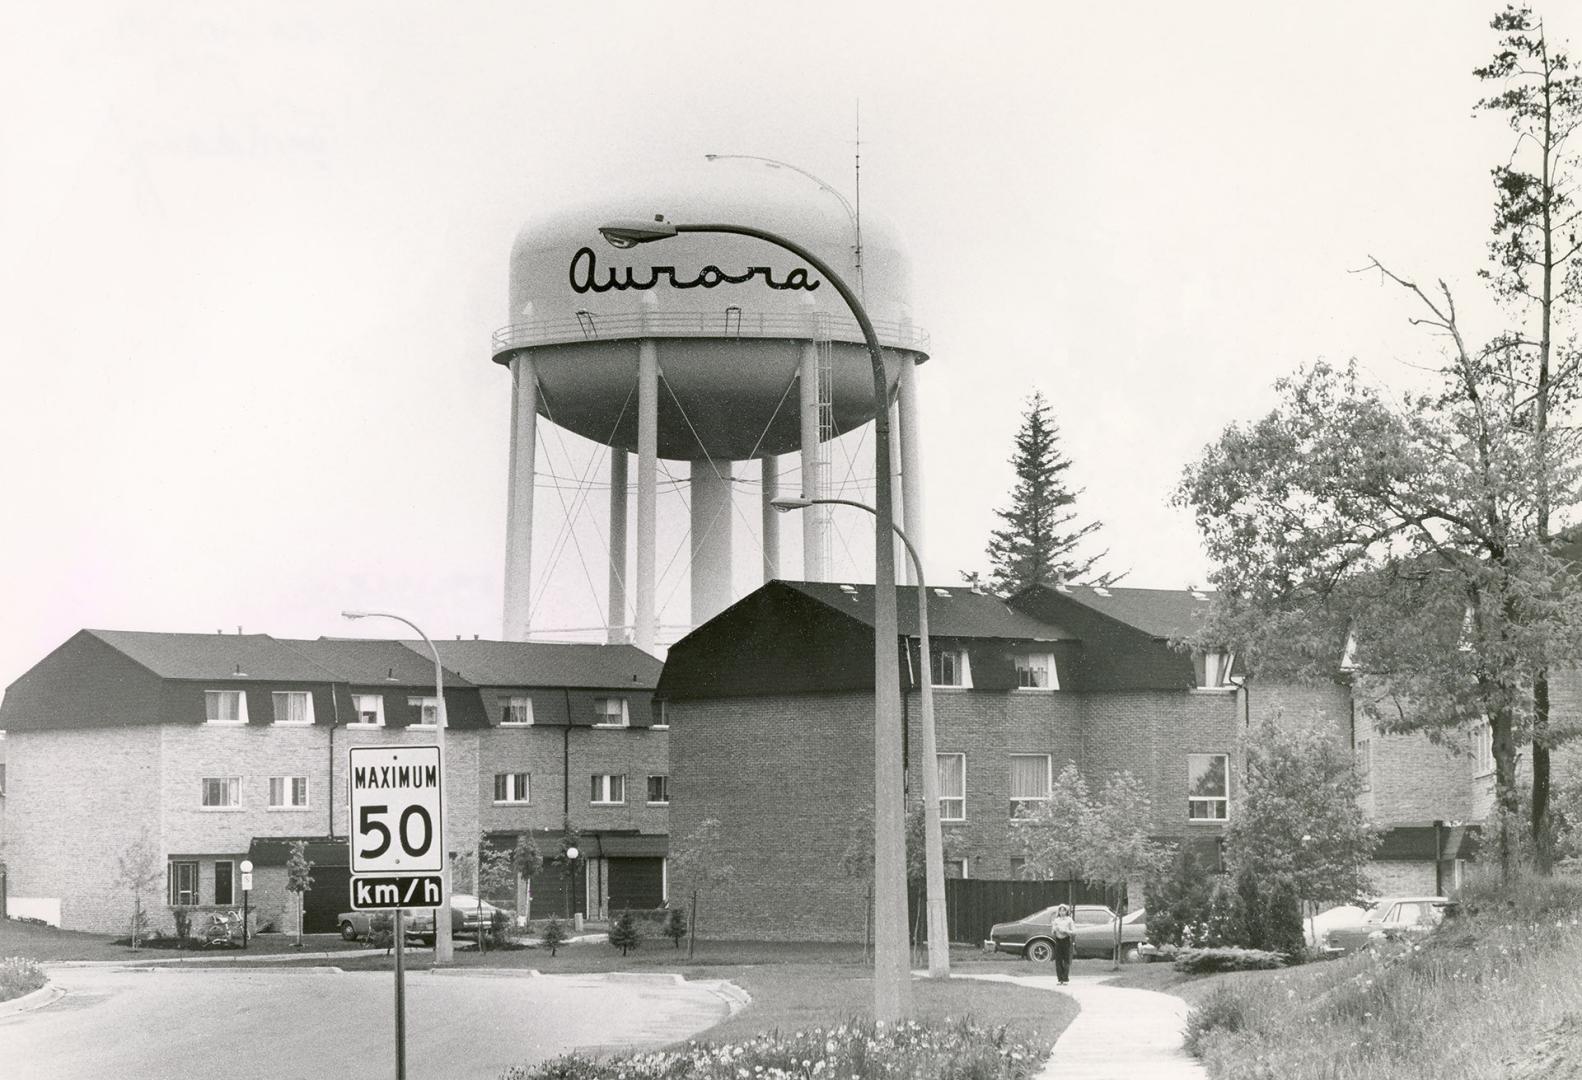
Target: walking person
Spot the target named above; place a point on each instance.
(1064, 929)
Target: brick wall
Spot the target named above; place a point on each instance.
(79, 799)
(1414, 781)
(786, 777)
(1402, 878)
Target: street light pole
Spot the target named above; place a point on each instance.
(933, 839)
(444, 948)
(892, 977)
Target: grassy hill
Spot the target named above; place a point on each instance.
(1494, 993)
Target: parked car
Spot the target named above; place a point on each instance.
(1030, 937)
(354, 924)
(1386, 916)
(1343, 917)
(464, 914)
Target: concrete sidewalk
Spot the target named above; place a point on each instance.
(1120, 1034)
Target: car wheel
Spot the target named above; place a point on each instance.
(1130, 954)
(348, 931)
(1040, 951)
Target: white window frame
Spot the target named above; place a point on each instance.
(662, 717)
(966, 867)
(241, 708)
(601, 708)
(1483, 749)
(1049, 781)
(1024, 664)
(945, 800)
(287, 787)
(1222, 801)
(517, 788)
(232, 791)
(963, 669)
(516, 701)
(171, 883)
(1216, 669)
(606, 784)
(649, 794)
(357, 711)
(422, 704)
(307, 712)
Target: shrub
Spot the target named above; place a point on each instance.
(499, 932)
(1222, 1010)
(554, 935)
(624, 934)
(1226, 958)
(18, 976)
(183, 919)
(858, 1048)
(381, 931)
(676, 926)
(1179, 899)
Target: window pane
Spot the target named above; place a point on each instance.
(517, 710)
(299, 791)
(291, 707)
(945, 668)
(1029, 776)
(1206, 775)
(952, 775)
(277, 791)
(223, 883)
(617, 789)
(659, 789)
(223, 706)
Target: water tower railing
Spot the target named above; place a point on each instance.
(728, 323)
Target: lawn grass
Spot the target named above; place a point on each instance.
(49, 943)
(1474, 1000)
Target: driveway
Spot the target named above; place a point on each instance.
(280, 1023)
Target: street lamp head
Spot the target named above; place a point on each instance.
(354, 614)
(247, 866)
(571, 853)
(786, 503)
(628, 234)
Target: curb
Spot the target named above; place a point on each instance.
(47, 994)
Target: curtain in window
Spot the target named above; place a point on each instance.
(291, 707)
(222, 706)
(1029, 776)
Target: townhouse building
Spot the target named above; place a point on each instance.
(219, 748)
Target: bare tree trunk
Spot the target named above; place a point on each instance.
(692, 926)
(1505, 791)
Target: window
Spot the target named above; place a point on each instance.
(608, 788)
(658, 790)
(370, 709)
(516, 710)
(182, 880)
(510, 787)
(1018, 867)
(2, 778)
(225, 883)
(293, 706)
(222, 792)
(428, 711)
(955, 868)
(610, 712)
(288, 792)
(949, 667)
(1364, 755)
(1483, 749)
(1090, 917)
(1208, 790)
(1216, 670)
(661, 717)
(1029, 782)
(1037, 672)
(225, 706)
(953, 787)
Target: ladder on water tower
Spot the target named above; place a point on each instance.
(826, 428)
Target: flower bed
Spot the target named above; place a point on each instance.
(960, 1050)
(19, 976)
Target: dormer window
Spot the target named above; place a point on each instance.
(427, 711)
(293, 707)
(516, 711)
(225, 706)
(609, 712)
(370, 710)
(1037, 672)
(1216, 669)
(949, 667)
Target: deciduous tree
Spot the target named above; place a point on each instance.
(698, 859)
(299, 879)
(138, 869)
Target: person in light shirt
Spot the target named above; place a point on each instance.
(1064, 929)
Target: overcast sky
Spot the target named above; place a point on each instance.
(249, 266)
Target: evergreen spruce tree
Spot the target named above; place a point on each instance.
(624, 933)
(1040, 541)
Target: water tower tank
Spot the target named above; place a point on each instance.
(704, 348)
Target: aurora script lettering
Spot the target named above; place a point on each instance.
(585, 277)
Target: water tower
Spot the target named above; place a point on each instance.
(707, 349)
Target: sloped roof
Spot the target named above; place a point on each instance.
(952, 612)
(370, 662)
(537, 663)
(1164, 613)
(215, 656)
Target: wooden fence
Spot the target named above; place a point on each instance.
(973, 905)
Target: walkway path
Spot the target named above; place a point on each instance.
(1120, 1034)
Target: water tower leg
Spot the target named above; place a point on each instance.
(911, 463)
(815, 519)
(898, 496)
(519, 499)
(769, 466)
(711, 539)
(616, 617)
(644, 624)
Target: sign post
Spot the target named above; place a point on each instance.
(397, 807)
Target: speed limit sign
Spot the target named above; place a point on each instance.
(396, 806)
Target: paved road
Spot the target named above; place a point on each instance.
(280, 1024)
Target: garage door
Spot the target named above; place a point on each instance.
(553, 895)
(331, 894)
(636, 883)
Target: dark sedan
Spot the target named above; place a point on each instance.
(1031, 937)
(1387, 916)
